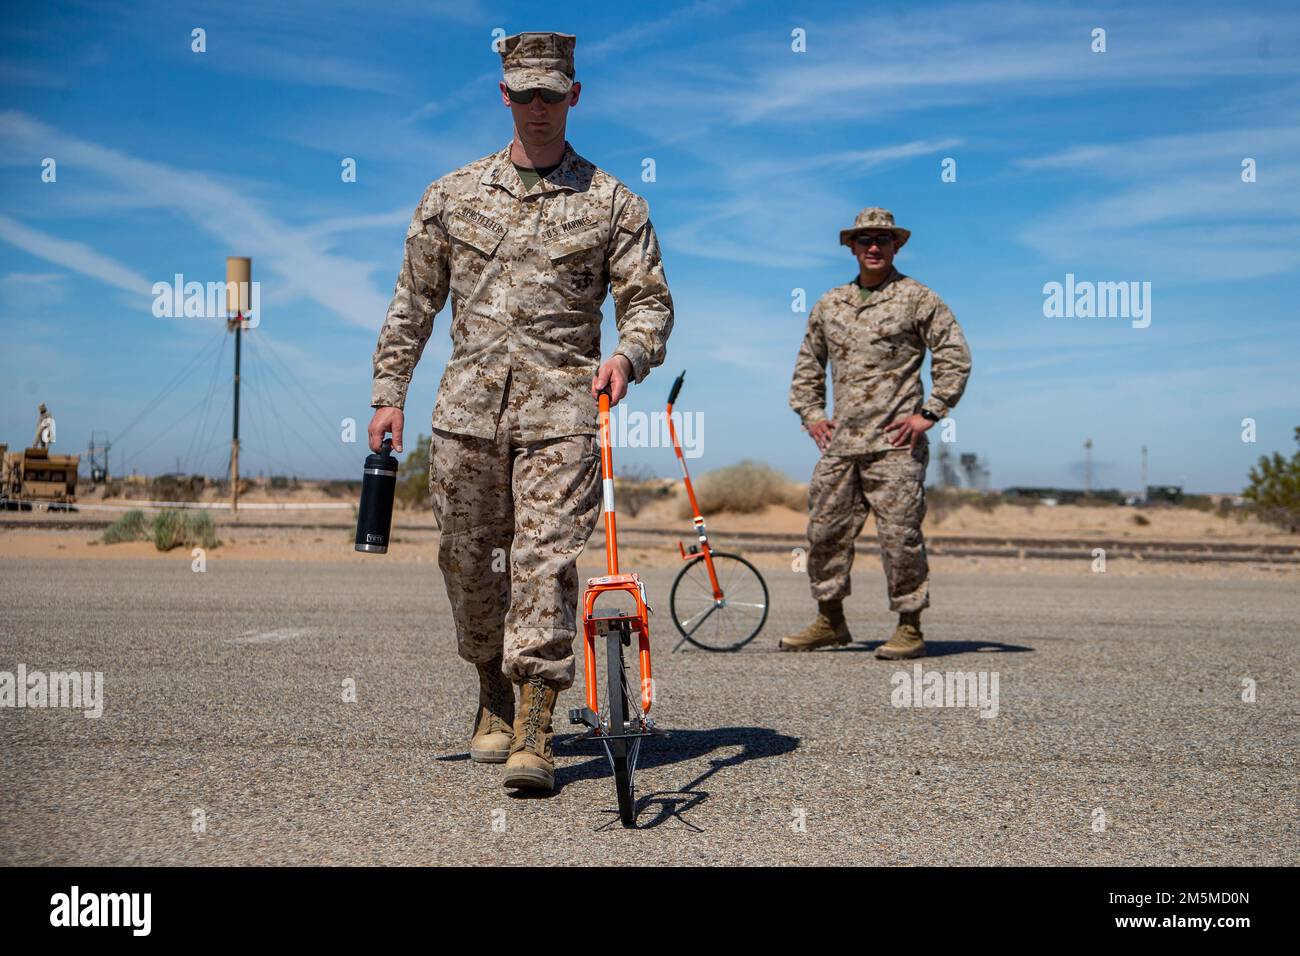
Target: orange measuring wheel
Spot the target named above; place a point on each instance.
(625, 720)
(719, 600)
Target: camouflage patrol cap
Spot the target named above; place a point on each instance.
(538, 60)
(874, 217)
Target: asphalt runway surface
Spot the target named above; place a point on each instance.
(1121, 734)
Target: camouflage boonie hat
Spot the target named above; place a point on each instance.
(875, 218)
(538, 61)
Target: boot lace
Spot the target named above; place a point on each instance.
(533, 722)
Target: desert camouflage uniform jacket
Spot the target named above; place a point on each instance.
(876, 350)
(527, 273)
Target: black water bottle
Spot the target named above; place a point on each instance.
(378, 486)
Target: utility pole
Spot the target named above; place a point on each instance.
(1087, 468)
(239, 270)
(98, 472)
(1144, 474)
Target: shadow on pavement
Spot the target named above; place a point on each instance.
(933, 648)
(678, 746)
(940, 648)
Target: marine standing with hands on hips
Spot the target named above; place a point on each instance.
(874, 331)
(525, 242)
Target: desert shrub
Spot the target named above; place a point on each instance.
(1141, 520)
(1274, 491)
(168, 529)
(190, 529)
(129, 527)
(636, 486)
(413, 476)
(743, 489)
(200, 532)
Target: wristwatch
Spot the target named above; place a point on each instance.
(929, 415)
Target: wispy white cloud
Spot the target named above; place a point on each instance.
(293, 255)
(635, 38)
(758, 225)
(1183, 210)
(318, 44)
(852, 160)
(72, 254)
(27, 290)
(1155, 155)
(310, 68)
(914, 59)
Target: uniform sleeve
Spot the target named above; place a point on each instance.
(643, 306)
(808, 389)
(420, 293)
(949, 357)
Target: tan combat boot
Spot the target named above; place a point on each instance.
(906, 641)
(828, 629)
(496, 712)
(532, 762)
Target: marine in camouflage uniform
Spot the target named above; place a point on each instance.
(526, 257)
(44, 428)
(875, 339)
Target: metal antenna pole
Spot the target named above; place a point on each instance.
(1144, 473)
(239, 284)
(1087, 467)
(234, 438)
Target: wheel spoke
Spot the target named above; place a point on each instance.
(702, 620)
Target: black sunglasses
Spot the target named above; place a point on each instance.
(869, 241)
(524, 97)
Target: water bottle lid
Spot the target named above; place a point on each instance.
(384, 457)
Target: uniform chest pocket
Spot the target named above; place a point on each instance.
(892, 341)
(844, 335)
(862, 338)
(578, 264)
(473, 245)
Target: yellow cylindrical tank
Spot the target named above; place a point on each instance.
(239, 283)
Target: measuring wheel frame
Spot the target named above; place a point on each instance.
(625, 720)
(744, 577)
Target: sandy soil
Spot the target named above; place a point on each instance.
(335, 545)
(1066, 521)
(328, 536)
(1014, 521)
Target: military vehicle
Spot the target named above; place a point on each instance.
(34, 475)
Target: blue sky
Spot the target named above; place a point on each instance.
(1122, 166)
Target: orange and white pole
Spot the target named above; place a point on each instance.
(607, 474)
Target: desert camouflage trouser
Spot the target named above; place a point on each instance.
(514, 517)
(842, 492)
